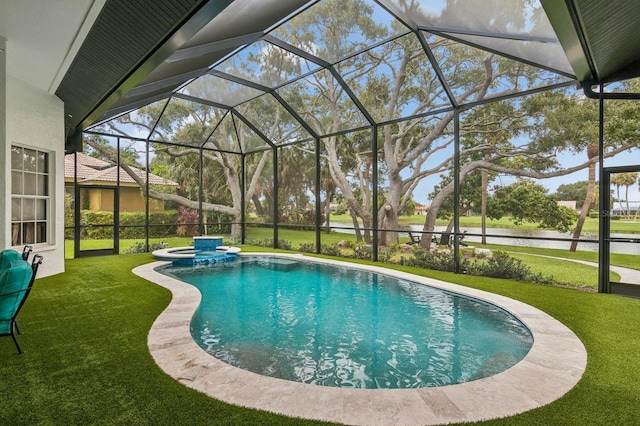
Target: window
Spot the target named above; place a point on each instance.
(29, 196)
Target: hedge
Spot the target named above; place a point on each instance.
(132, 224)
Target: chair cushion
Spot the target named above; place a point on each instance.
(13, 285)
(7, 256)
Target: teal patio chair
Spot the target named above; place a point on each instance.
(7, 256)
(15, 284)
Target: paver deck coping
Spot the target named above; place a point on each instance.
(552, 367)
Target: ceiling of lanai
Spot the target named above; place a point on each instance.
(106, 57)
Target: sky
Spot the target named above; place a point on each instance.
(421, 192)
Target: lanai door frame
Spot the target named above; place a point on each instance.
(605, 285)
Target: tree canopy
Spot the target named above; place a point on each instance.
(381, 117)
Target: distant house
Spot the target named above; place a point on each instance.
(421, 210)
(570, 204)
(96, 173)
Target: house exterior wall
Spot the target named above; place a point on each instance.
(35, 119)
(100, 200)
(4, 214)
(131, 200)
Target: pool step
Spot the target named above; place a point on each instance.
(277, 264)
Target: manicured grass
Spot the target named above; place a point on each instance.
(563, 271)
(87, 361)
(631, 261)
(569, 273)
(591, 225)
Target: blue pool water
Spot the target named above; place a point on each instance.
(345, 327)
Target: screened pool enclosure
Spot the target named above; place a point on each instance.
(324, 126)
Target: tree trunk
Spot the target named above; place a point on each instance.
(626, 195)
(591, 187)
(432, 213)
(483, 206)
(388, 219)
(592, 152)
(327, 216)
(356, 226)
(388, 214)
(256, 202)
(337, 175)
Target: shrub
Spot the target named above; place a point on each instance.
(384, 256)
(161, 224)
(341, 209)
(139, 247)
(268, 242)
(440, 261)
(307, 248)
(330, 250)
(228, 241)
(285, 245)
(500, 265)
(189, 222)
(349, 243)
(97, 218)
(363, 251)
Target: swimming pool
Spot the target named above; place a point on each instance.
(553, 365)
(344, 327)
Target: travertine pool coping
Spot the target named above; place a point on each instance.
(552, 367)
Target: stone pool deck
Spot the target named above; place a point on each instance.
(552, 367)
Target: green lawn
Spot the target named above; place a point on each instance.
(87, 361)
(590, 225)
(563, 272)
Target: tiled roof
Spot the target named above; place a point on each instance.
(111, 175)
(84, 172)
(96, 170)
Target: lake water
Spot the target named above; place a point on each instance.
(522, 238)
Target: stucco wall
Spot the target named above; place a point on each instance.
(35, 119)
(3, 133)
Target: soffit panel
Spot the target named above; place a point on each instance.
(43, 37)
(611, 31)
(120, 38)
(241, 23)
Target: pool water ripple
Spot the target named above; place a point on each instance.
(344, 327)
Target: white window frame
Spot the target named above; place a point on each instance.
(30, 189)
